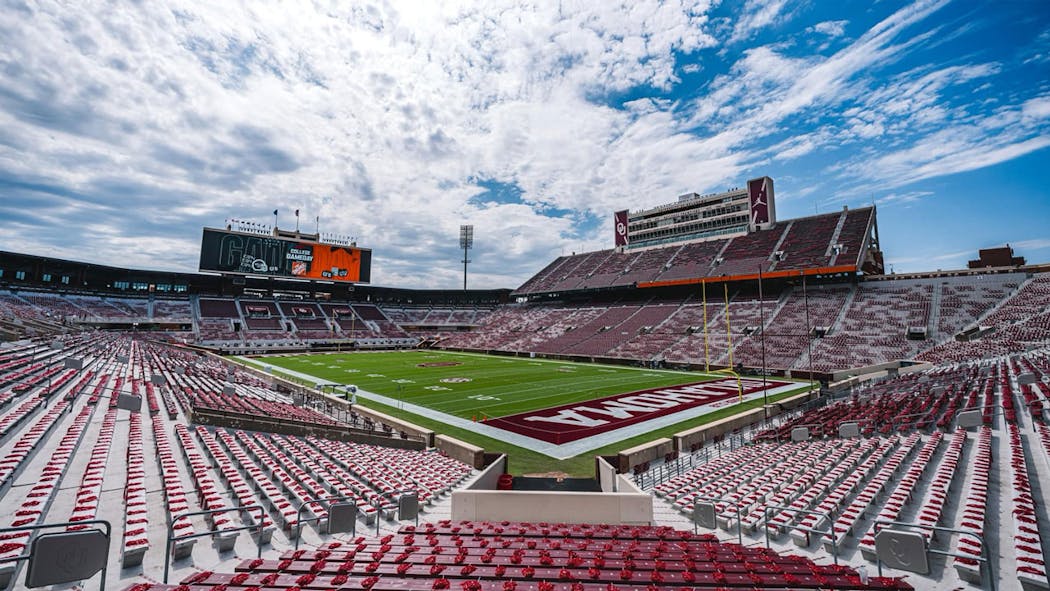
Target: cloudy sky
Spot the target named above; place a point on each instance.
(125, 127)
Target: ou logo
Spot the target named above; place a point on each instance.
(621, 228)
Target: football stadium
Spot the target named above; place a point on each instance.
(748, 403)
(644, 389)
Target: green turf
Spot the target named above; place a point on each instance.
(498, 386)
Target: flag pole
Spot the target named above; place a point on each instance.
(275, 218)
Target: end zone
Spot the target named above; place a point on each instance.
(613, 432)
(572, 422)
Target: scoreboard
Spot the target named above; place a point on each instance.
(694, 217)
(240, 253)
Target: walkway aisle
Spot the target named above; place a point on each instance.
(664, 513)
(1038, 464)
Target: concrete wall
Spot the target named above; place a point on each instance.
(481, 501)
(645, 452)
(606, 475)
(560, 507)
(879, 370)
(684, 439)
(489, 477)
(625, 484)
(461, 450)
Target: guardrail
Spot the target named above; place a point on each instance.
(824, 514)
(172, 538)
(317, 501)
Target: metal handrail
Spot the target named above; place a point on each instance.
(736, 505)
(897, 419)
(299, 514)
(172, 538)
(858, 421)
(824, 514)
(997, 405)
(378, 504)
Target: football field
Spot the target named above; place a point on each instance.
(476, 387)
(471, 386)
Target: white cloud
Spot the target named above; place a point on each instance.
(767, 86)
(1032, 244)
(954, 150)
(830, 28)
(953, 256)
(908, 197)
(1037, 108)
(757, 14)
(373, 116)
(154, 119)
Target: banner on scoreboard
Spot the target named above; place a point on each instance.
(620, 227)
(250, 254)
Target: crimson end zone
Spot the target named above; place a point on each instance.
(571, 422)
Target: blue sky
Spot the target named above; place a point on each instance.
(124, 130)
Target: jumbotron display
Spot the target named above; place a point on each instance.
(252, 254)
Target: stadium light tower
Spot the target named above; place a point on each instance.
(466, 242)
